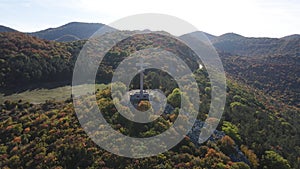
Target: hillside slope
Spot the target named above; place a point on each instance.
(244, 46)
(268, 64)
(277, 76)
(49, 135)
(27, 60)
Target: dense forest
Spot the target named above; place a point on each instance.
(268, 64)
(25, 60)
(276, 76)
(254, 132)
(49, 135)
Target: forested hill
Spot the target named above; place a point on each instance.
(268, 64)
(245, 46)
(228, 43)
(277, 76)
(271, 65)
(74, 31)
(25, 60)
(34, 60)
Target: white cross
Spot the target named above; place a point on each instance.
(141, 64)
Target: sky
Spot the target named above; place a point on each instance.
(252, 18)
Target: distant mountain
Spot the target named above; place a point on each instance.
(6, 29)
(69, 32)
(290, 37)
(245, 46)
(200, 34)
(269, 64)
(230, 36)
(236, 44)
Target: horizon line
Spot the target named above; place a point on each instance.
(54, 27)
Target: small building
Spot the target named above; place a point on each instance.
(137, 96)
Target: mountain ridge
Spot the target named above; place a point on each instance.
(6, 29)
(94, 27)
(78, 30)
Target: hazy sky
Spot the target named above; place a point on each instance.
(256, 18)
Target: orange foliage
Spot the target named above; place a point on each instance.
(226, 140)
(211, 153)
(27, 130)
(17, 139)
(9, 127)
(15, 149)
(172, 117)
(143, 106)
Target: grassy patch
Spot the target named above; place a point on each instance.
(43, 94)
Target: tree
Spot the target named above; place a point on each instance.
(272, 160)
(251, 156)
(227, 145)
(240, 165)
(143, 105)
(175, 98)
(232, 131)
